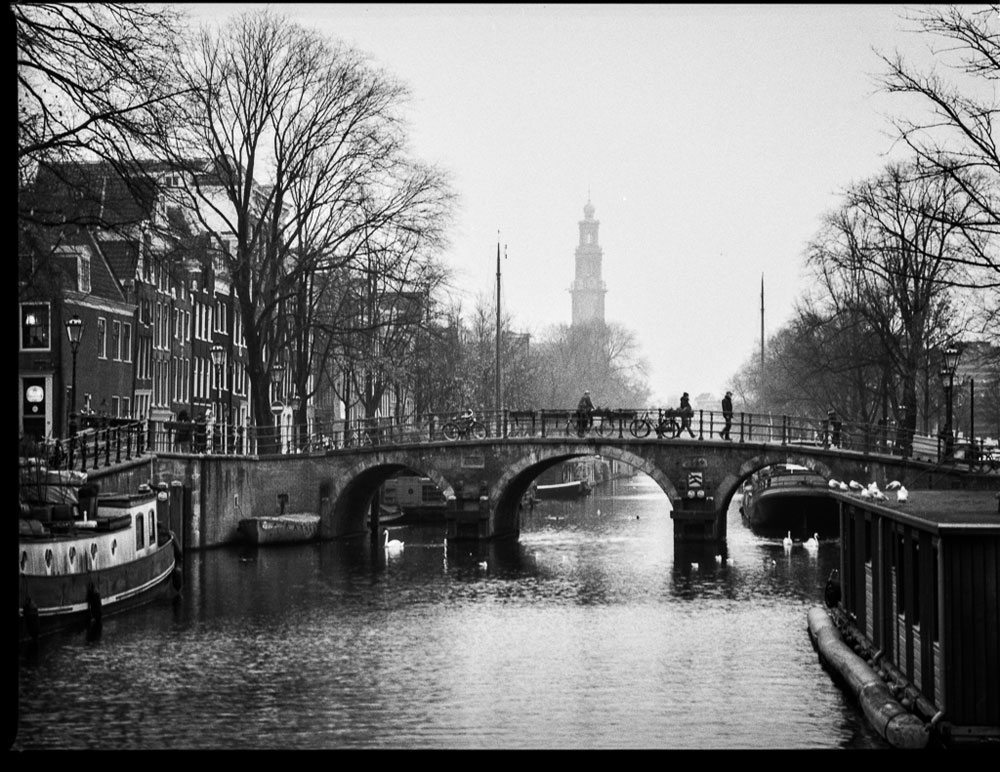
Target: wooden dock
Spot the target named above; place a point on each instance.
(920, 603)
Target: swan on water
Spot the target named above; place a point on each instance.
(483, 565)
(812, 542)
(787, 541)
(393, 545)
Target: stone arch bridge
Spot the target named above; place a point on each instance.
(484, 480)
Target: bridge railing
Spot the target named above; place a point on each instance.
(99, 443)
(804, 431)
(102, 442)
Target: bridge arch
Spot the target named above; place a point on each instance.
(351, 504)
(509, 488)
(733, 481)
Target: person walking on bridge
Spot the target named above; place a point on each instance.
(584, 409)
(727, 414)
(686, 411)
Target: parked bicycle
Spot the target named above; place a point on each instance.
(665, 425)
(640, 426)
(605, 423)
(462, 429)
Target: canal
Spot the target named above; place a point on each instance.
(591, 631)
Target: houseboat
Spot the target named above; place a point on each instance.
(285, 528)
(788, 497)
(408, 499)
(82, 562)
(912, 623)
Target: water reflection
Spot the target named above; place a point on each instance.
(592, 630)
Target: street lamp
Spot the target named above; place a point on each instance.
(293, 402)
(74, 331)
(277, 374)
(218, 356)
(951, 355)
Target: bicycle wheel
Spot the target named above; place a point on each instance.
(477, 430)
(605, 427)
(450, 431)
(639, 427)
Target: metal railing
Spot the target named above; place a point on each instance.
(117, 440)
(113, 441)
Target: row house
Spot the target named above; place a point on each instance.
(153, 297)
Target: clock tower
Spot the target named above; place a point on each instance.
(588, 288)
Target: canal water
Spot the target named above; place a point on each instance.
(593, 630)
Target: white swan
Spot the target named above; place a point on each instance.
(844, 486)
(834, 484)
(787, 541)
(718, 558)
(902, 495)
(483, 565)
(893, 485)
(812, 543)
(855, 485)
(694, 566)
(393, 545)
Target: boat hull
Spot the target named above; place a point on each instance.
(279, 529)
(66, 601)
(803, 511)
(568, 490)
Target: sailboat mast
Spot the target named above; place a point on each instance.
(762, 340)
(497, 383)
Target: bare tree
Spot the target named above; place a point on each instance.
(603, 358)
(268, 99)
(889, 257)
(955, 137)
(91, 78)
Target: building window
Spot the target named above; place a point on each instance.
(35, 326)
(102, 338)
(126, 407)
(83, 272)
(88, 403)
(116, 407)
(126, 342)
(116, 340)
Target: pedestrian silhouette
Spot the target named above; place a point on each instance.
(686, 412)
(727, 414)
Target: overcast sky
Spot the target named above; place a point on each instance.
(711, 139)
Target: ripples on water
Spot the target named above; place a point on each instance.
(588, 632)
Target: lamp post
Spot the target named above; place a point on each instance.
(218, 355)
(74, 331)
(277, 373)
(293, 403)
(951, 355)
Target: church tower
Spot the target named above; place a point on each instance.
(588, 288)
